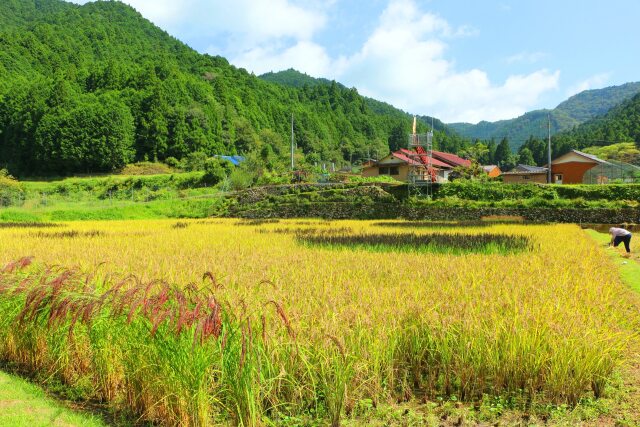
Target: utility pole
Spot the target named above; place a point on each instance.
(292, 145)
(549, 149)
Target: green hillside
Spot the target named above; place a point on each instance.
(614, 136)
(597, 102)
(297, 79)
(90, 88)
(293, 78)
(621, 124)
(570, 113)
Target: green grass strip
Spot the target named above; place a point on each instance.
(119, 210)
(24, 404)
(629, 269)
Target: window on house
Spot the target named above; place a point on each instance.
(394, 171)
(383, 171)
(526, 177)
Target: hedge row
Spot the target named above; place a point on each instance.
(471, 190)
(497, 191)
(346, 210)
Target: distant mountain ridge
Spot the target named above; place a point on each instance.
(574, 111)
(619, 125)
(297, 79)
(294, 78)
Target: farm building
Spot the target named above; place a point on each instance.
(569, 168)
(492, 170)
(398, 164)
(524, 174)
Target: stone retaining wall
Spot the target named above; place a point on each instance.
(346, 210)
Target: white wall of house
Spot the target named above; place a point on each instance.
(572, 157)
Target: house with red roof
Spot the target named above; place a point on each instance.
(451, 159)
(401, 163)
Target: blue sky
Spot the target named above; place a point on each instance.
(458, 60)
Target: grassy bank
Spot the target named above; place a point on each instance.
(117, 210)
(25, 405)
(115, 197)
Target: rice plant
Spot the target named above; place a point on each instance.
(279, 327)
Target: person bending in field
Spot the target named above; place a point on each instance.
(620, 235)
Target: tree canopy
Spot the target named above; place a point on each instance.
(89, 88)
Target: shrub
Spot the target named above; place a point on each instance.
(216, 170)
(194, 161)
(172, 162)
(240, 179)
(356, 179)
(271, 178)
(146, 168)
(11, 191)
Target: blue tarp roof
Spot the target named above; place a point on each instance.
(236, 160)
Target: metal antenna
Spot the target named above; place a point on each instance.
(292, 144)
(549, 149)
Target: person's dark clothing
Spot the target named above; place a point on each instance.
(623, 239)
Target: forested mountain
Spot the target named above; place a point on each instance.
(597, 102)
(90, 88)
(620, 125)
(570, 113)
(294, 78)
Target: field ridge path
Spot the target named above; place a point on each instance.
(628, 411)
(23, 404)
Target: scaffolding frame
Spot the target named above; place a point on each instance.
(421, 175)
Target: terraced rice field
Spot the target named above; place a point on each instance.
(257, 322)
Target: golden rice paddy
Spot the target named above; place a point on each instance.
(353, 310)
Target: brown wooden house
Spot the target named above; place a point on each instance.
(398, 164)
(571, 167)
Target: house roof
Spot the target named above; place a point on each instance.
(526, 170)
(451, 159)
(409, 157)
(529, 168)
(590, 156)
(489, 168)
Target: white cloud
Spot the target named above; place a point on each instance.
(260, 21)
(404, 62)
(527, 57)
(165, 13)
(303, 56)
(595, 81)
(246, 21)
